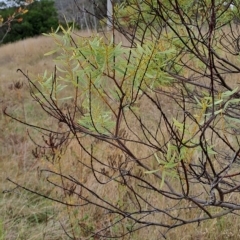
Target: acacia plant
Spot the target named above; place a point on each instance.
(152, 122)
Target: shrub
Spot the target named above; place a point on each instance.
(149, 127)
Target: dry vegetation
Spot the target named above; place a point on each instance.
(24, 215)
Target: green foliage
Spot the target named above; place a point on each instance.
(91, 65)
(132, 12)
(41, 18)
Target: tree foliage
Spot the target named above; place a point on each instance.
(13, 16)
(42, 17)
(166, 105)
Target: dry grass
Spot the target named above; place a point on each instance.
(23, 215)
(27, 216)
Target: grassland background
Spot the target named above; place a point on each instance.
(24, 215)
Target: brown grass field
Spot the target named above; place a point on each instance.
(24, 215)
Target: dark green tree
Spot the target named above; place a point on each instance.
(41, 18)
